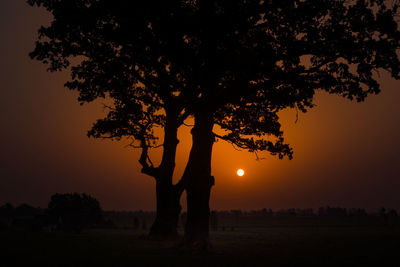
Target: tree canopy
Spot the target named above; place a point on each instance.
(246, 60)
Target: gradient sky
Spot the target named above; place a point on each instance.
(346, 153)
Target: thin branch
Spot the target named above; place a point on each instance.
(183, 117)
(151, 163)
(107, 107)
(234, 145)
(131, 144)
(188, 125)
(257, 157)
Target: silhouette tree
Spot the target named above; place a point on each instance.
(7, 212)
(73, 212)
(255, 58)
(231, 63)
(121, 55)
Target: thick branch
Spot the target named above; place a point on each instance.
(144, 160)
(183, 117)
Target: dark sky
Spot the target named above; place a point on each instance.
(346, 153)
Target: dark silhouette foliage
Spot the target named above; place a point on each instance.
(332, 211)
(231, 63)
(21, 218)
(121, 53)
(26, 210)
(6, 215)
(74, 212)
(7, 210)
(136, 223)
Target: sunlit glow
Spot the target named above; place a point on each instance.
(240, 172)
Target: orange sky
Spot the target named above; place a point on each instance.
(345, 153)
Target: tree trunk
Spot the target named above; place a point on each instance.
(168, 210)
(167, 195)
(198, 182)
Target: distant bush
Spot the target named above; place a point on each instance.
(74, 212)
(136, 223)
(332, 211)
(21, 218)
(7, 210)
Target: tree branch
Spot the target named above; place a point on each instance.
(144, 160)
(183, 117)
(231, 141)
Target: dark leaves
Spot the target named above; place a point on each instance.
(245, 60)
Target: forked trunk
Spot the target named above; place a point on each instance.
(167, 195)
(198, 183)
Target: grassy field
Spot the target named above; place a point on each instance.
(272, 246)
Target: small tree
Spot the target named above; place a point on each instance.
(74, 212)
(136, 222)
(7, 212)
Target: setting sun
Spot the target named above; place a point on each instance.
(240, 172)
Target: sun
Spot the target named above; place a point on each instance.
(240, 172)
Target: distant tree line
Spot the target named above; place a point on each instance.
(309, 212)
(66, 212)
(75, 212)
(137, 220)
(323, 216)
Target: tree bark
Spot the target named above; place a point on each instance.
(167, 195)
(198, 182)
(168, 210)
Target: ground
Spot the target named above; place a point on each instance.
(239, 246)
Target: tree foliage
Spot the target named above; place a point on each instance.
(74, 212)
(259, 57)
(245, 60)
